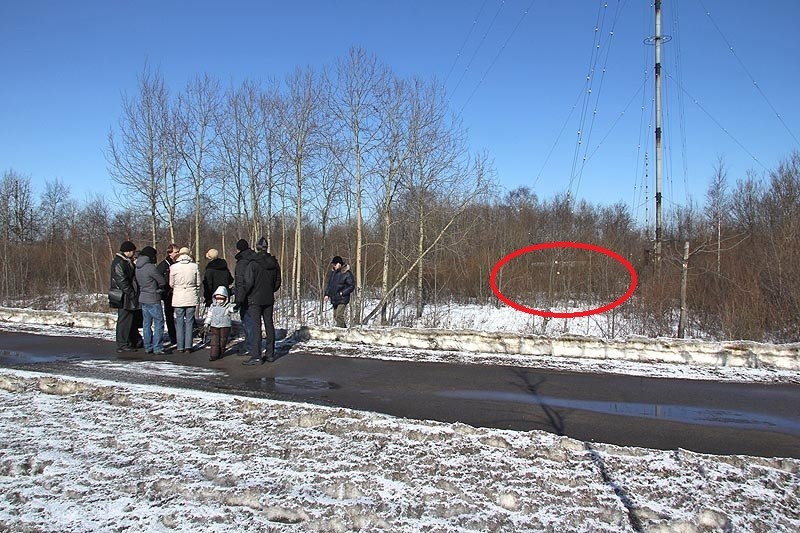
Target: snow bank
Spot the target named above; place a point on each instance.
(58, 318)
(639, 349)
(742, 354)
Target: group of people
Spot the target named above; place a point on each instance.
(148, 295)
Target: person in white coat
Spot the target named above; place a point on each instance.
(185, 280)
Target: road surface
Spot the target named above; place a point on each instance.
(702, 416)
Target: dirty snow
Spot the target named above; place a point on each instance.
(82, 454)
(86, 455)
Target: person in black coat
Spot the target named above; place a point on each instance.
(216, 275)
(243, 258)
(262, 278)
(340, 286)
(166, 296)
(124, 296)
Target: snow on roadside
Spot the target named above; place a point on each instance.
(83, 454)
(566, 364)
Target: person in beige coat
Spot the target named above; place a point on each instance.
(185, 280)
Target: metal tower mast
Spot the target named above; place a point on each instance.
(656, 41)
(658, 135)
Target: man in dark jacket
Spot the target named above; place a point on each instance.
(216, 275)
(123, 279)
(340, 286)
(243, 258)
(151, 285)
(166, 295)
(262, 278)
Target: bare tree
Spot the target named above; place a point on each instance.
(172, 192)
(18, 225)
(718, 205)
(270, 104)
(745, 204)
(94, 225)
(300, 124)
(134, 156)
(434, 171)
(229, 154)
(328, 181)
(393, 151)
(56, 208)
(356, 120)
(455, 205)
(198, 106)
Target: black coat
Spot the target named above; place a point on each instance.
(123, 277)
(216, 275)
(243, 259)
(163, 269)
(262, 279)
(340, 286)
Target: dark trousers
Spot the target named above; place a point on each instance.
(256, 314)
(128, 323)
(247, 328)
(219, 341)
(169, 320)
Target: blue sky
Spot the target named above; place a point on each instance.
(518, 79)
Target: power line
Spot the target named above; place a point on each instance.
(480, 44)
(466, 39)
(607, 49)
(679, 97)
(729, 134)
(746, 71)
(558, 137)
(503, 47)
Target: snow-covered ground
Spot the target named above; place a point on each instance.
(452, 316)
(86, 455)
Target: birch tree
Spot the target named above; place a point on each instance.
(718, 207)
(133, 154)
(394, 149)
(198, 107)
(356, 120)
(300, 124)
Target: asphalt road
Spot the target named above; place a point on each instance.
(702, 416)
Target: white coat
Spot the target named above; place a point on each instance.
(185, 280)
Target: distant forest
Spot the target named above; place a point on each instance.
(357, 162)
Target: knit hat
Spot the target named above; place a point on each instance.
(262, 245)
(242, 245)
(337, 260)
(212, 254)
(184, 251)
(150, 252)
(127, 246)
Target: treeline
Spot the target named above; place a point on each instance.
(359, 162)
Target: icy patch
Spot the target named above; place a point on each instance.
(150, 368)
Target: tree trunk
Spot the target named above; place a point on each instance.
(298, 254)
(420, 250)
(387, 221)
(684, 280)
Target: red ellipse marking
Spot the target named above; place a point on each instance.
(547, 245)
